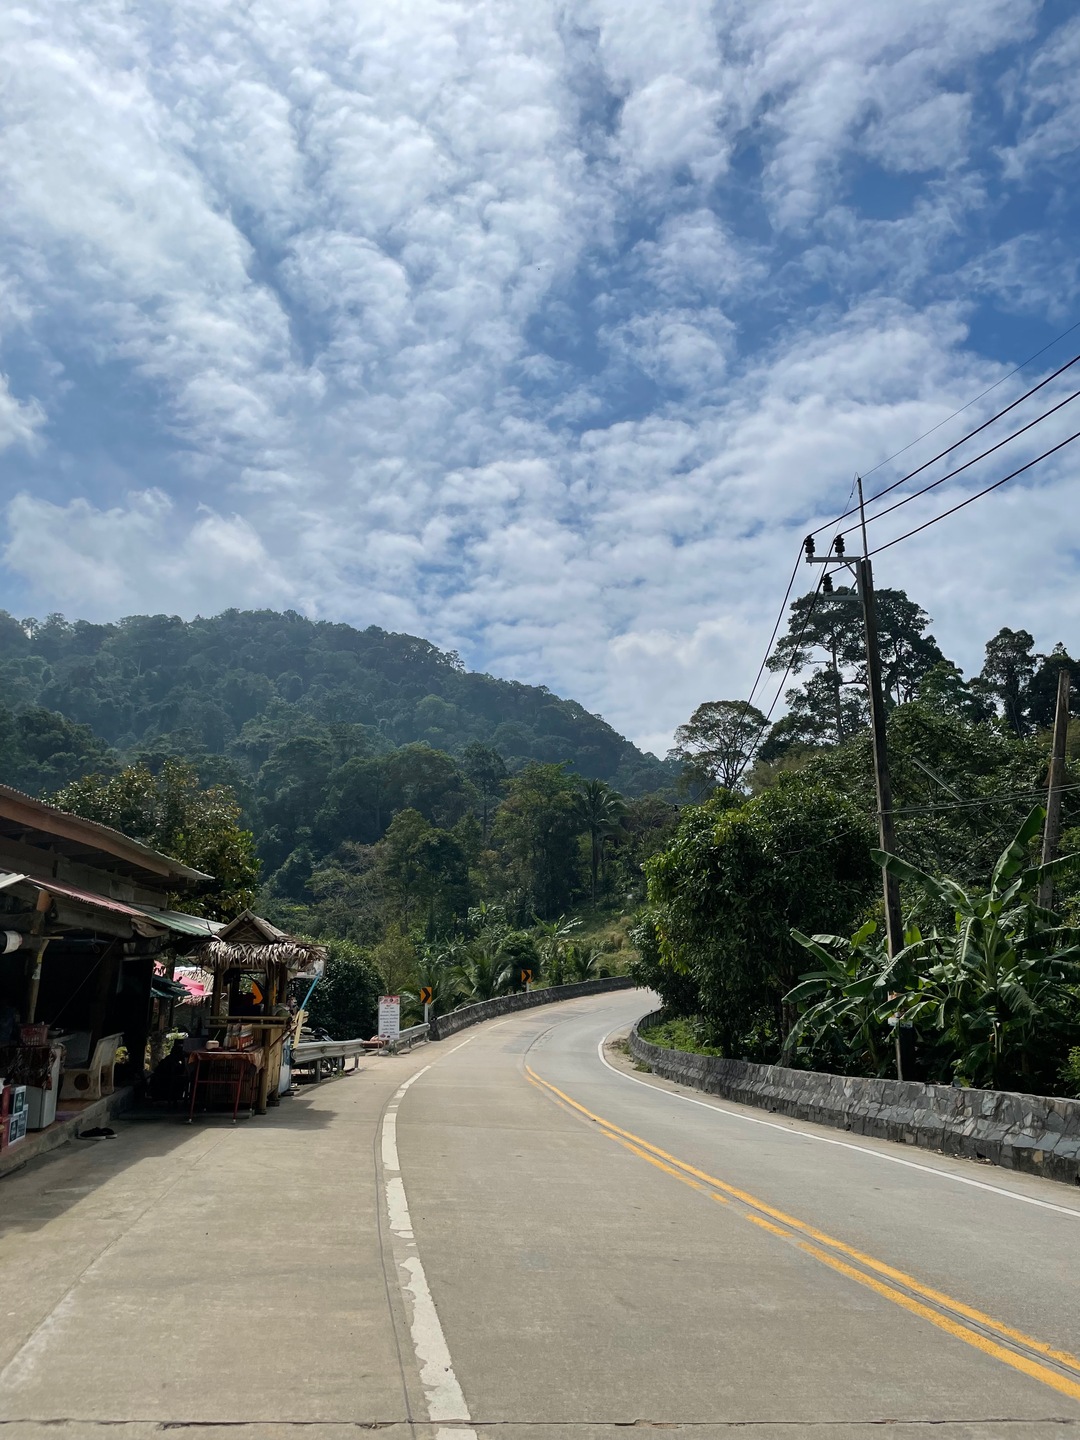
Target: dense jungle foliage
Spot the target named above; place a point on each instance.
(764, 927)
(358, 786)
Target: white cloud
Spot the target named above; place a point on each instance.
(546, 336)
(105, 563)
(1045, 92)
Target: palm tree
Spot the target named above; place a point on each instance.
(437, 971)
(551, 938)
(484, 973)
(584, 964)
(601, 809)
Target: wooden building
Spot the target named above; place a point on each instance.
(84, 913)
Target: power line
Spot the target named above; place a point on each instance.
(978, 495)
(979, 803)
(950, 448)
(772, 637)
(776, 698)
(915, 494)
(849, 512)
(779, 619)
(975, 399)
(982, 803)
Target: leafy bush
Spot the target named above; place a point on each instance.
(994, 1001)
(345, 1002)
(686, 1033)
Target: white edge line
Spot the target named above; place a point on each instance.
(442, 1392)
(825, 1140)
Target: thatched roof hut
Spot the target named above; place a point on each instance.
(251, 943)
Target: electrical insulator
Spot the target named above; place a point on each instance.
(838, 545)
(808, 546)
(826, 585)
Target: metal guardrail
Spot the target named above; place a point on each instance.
(314, 1052)
(309, 1050)
(410, 1036)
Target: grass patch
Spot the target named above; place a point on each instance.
(682, 1034)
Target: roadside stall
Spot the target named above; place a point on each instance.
(87, 936)
(242, 1037)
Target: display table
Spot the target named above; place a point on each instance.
(226, 1070)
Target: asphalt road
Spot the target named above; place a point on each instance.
(516, 1232)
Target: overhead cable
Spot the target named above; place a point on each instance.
(974, 400)
(978, 495)
(776, 698)
(915, 494)
(950, 448)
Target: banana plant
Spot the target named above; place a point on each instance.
(987, 994)
(847, 998)
(991, 986)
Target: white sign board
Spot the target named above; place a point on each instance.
(390, 1016)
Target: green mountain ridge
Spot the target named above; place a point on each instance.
(229, 690)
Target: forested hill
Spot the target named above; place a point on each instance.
(241, 684)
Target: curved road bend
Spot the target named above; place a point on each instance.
(601, 1252)
(512, 1235)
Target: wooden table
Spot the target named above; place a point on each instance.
(234, 1062)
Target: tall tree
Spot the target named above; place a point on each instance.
(486, 769)
(170, 812)
(601, 809)
(718, 742)
(536, 825)
(1007, 672)
(1042, 692)
(826, 632)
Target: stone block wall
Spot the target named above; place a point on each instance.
(1038, 1134)
(444, 1025)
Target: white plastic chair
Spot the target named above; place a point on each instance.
(95, 1080)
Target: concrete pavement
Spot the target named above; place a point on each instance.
(513, 1232)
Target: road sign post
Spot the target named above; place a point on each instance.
(526, 979)
(425, 1000)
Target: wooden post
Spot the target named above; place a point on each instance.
(37, 925)
(1052, 828)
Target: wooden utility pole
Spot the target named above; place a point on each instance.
(1052, 828)
(894, 923)
(864, 579)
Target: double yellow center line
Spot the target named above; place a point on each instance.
(1056, 1368)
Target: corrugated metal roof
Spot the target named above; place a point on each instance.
(105, 832)
(194, 926)
(90, 898)
(182, 923)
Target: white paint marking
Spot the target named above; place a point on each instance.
(397, 1207)
(825, 1140)
(445, 1400)
(472, 1038)
(412, 1080)
(389, 1141)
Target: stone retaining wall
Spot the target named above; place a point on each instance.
(445, 1025)
(1038, 1134)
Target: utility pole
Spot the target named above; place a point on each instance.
(1052, 828)
(894, 923)
(864, 580)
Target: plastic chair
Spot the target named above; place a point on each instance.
(95, 1080)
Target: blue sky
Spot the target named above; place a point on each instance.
(543, 331)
